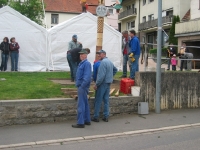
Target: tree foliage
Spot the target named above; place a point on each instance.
(172, 39)
(3, 3)
(33, 9)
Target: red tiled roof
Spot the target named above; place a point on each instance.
(69, 6)
(187, 16)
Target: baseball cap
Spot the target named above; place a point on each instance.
(101, 51)
(75, 36)
(83, 51)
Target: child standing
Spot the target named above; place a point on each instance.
(174, 62)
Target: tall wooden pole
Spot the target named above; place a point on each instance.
(100, 26)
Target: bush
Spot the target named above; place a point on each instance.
(154, 51)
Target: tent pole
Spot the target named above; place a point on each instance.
(100, 26)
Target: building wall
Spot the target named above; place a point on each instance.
(62, 17)
(111, 20)
(195, 10)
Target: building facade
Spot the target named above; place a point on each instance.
(189, 32)
(61, 10)
(142, 15)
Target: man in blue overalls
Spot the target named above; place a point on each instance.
(83, 79)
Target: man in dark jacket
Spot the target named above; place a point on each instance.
(73, 57)
(184, 62)
(4, 47)
(170, 52)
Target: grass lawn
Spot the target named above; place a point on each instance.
(32, 85)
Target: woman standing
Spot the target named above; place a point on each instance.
(5, 53)
(14, 53)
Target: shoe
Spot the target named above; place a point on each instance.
(167, 69)
(87, 123)
(72, 80)
(123, 76)
(105, 119)
(78, 126)
(95, 119)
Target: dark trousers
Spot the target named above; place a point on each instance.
(174, 67)
(73, 66)
(183, 65)
(4, 61)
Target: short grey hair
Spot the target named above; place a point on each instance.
(125, 32)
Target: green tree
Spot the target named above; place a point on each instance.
(3, 3)
(172, 39)
(33, 9)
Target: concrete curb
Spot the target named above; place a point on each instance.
(93, 137)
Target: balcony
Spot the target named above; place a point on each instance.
(192, 27)
(154, 23)
(127, 14)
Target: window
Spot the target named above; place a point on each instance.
(130, 25)
(54, 18)
(110, 10)
(151, 17)
(144, 2)
(169, 13)
(144, 19)
(151, 1)
(128, 7)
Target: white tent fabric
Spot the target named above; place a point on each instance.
(30, 36)
(85, 26)
(42, 50)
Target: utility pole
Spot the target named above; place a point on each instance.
(100, 26)
(158, 68)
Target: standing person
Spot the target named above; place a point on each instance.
(83, 4)
(83, 77)
(14, 53)
(74, 58)
(125, 52)
(96, 67)
(184, 49)
(72, 45)
(174, 62)
(134, 53)
(105, 75)
(170, 52)
(4, 47)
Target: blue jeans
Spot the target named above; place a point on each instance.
(125, 61)
(14, 61)
(83, 106)
(4, 61)
(73, 66)
(102, 94)
(134, 66)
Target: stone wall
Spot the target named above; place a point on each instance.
(178, 89)
(55, 110)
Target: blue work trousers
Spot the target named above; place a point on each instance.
(73, 66)
(102, 94)
(83, 106)
(134, 66)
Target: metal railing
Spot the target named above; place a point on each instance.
(126, 13)
(154, 23)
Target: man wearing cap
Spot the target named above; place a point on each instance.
(83, 79)
(72, 45)
(105, 74)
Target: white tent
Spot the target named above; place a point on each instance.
(30, 36)
(85, 26)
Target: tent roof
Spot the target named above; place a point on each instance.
(10, 10)
(77, 18)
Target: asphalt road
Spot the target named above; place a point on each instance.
(183, 139)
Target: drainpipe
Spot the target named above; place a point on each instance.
(139, 19)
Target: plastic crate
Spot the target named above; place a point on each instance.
(125, 85)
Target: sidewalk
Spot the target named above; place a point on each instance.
(121, 123)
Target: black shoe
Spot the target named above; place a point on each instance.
(123, 76)
(72, 80)
(87, 123)
(78, 126)
(105, 119)
(167, 69)
(95, 119)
